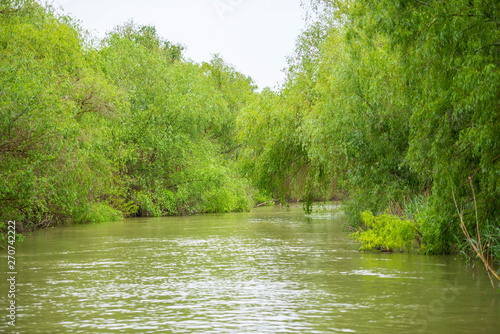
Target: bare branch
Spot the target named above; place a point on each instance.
(478, 252)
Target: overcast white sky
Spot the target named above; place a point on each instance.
(255, 36)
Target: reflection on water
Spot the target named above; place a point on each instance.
(268, 271)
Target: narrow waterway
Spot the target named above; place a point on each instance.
(267, 271)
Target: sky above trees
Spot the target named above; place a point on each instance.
(256, 36)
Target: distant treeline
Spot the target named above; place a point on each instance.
(392, 105)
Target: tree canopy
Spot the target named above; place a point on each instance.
(93, 132)
(396, 105)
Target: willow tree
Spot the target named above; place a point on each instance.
(341, 122)
(55, 108)
(451, 64)
(448, 55)
(178, 126)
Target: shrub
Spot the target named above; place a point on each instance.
(101, 212)
(386, 232)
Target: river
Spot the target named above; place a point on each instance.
(267, 271)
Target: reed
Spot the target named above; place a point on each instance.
(478, 248)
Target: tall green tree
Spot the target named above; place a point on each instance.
(451, 70)
(51, 97)
(178, 126)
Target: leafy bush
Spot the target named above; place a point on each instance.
(386, 232)
(156, 204)
(261, 197)
(102, 212)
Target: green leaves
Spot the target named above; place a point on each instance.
(92, 134)
(406, 93)
(386, 232)
(47, 162)
(387, 102)
(179, 125)
(455, 99)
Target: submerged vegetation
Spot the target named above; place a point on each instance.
(392, 106)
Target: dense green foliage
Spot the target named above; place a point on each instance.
(94, 131)
(54, 111)
(394, 104)
(177, 134)
(386, 232)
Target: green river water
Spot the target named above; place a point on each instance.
(267, 271)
